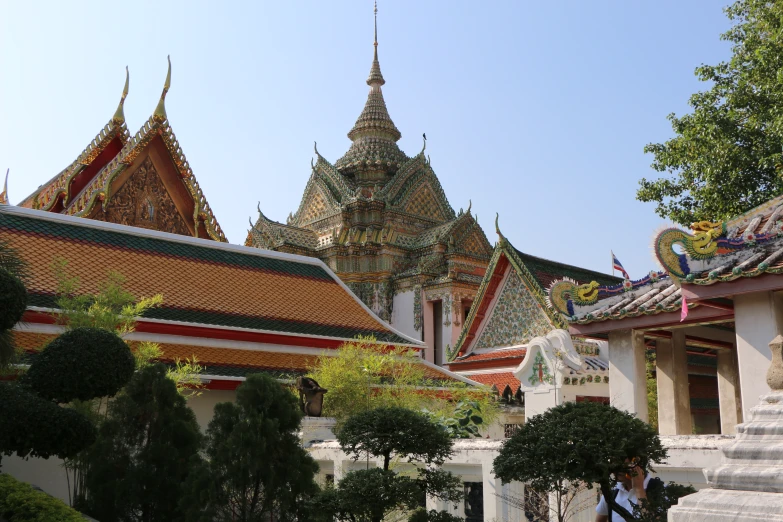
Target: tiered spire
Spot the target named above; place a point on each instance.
(374, 134)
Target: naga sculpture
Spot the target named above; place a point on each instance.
(311, 396)
(566, 291)
(703, 244)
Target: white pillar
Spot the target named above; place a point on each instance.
(492, 490)
(729, 392)
(758, 320)
(429, 332)
(674, 400)
(627, 372)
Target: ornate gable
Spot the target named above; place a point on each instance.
(516, 318)
(317, 203)
(143, 201)
(469, 238)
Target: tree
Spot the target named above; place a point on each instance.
(13, 299)
(255, 468)
(726, 156)
(655, 507)
(575, 445)
(365, 375)
(144, 452)
(371, 494)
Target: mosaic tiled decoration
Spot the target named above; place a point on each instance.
(540, 373)
(516, 318)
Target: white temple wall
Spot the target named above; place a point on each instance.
(402, 314)
(758, 320)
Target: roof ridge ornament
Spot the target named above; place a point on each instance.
(497, 227)
(4, 193)
(160, 110)
(119, 115)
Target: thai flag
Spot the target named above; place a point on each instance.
(617, 265)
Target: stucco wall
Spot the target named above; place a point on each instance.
(402, 314)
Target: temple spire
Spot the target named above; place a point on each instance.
(119, 115)
(160, 110)
(375, 80)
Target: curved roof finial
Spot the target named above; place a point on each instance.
(160, 110)
(424, 147)
(497, 228)
(119, 115)
(470, 205)
(4, 193)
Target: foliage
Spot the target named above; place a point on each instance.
(365, 375)
(11, 261)
(13, 299)
(578, 443)
(20, 502)
(423, 515)
(113, 308)
(371, 494)
(138, 465)
(384, 432)
(726, 157)
(186, 375)
(464, 422)
(34, 427)
(652, 390)
(655, 507)
(81, 364)
(255, 468)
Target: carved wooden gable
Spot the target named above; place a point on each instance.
(143, 201)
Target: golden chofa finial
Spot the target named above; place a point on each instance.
(497, 228)
(160, 110)
(119, 115)
(4, 193)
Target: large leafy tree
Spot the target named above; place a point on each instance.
(366, 375)
(144, 452)
(725, 157)
(255, 469)
(578, 445)
(391, 434)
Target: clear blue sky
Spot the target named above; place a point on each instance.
(536, 110)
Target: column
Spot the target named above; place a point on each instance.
(429, 332)
(674, 400)
(729, 392)
(491, 490)
(627, 372)
(757, 320)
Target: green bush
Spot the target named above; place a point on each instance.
(34, 427)
(82, 364)
(19, 502)
(13, 300)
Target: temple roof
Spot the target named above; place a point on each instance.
(89, 179)
(374, 136)
(203, 283)
(532, 276)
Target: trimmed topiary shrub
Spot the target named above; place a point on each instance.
(20, 502)
(82, 364)
(34, 427)
(13, 300)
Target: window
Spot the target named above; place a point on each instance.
(510, 429)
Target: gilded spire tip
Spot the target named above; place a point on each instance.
(160, 110)
(119, 114)
(4, 193)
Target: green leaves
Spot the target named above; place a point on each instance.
(384, 432)
(19, 502)
(726, 156)
(81, 364)
(255, 468)
(13, 300)
(464, 422)
(581, 443)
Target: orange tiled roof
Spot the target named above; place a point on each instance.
(231, 362)
(500, 380)
(202, 282)
(497, 355)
